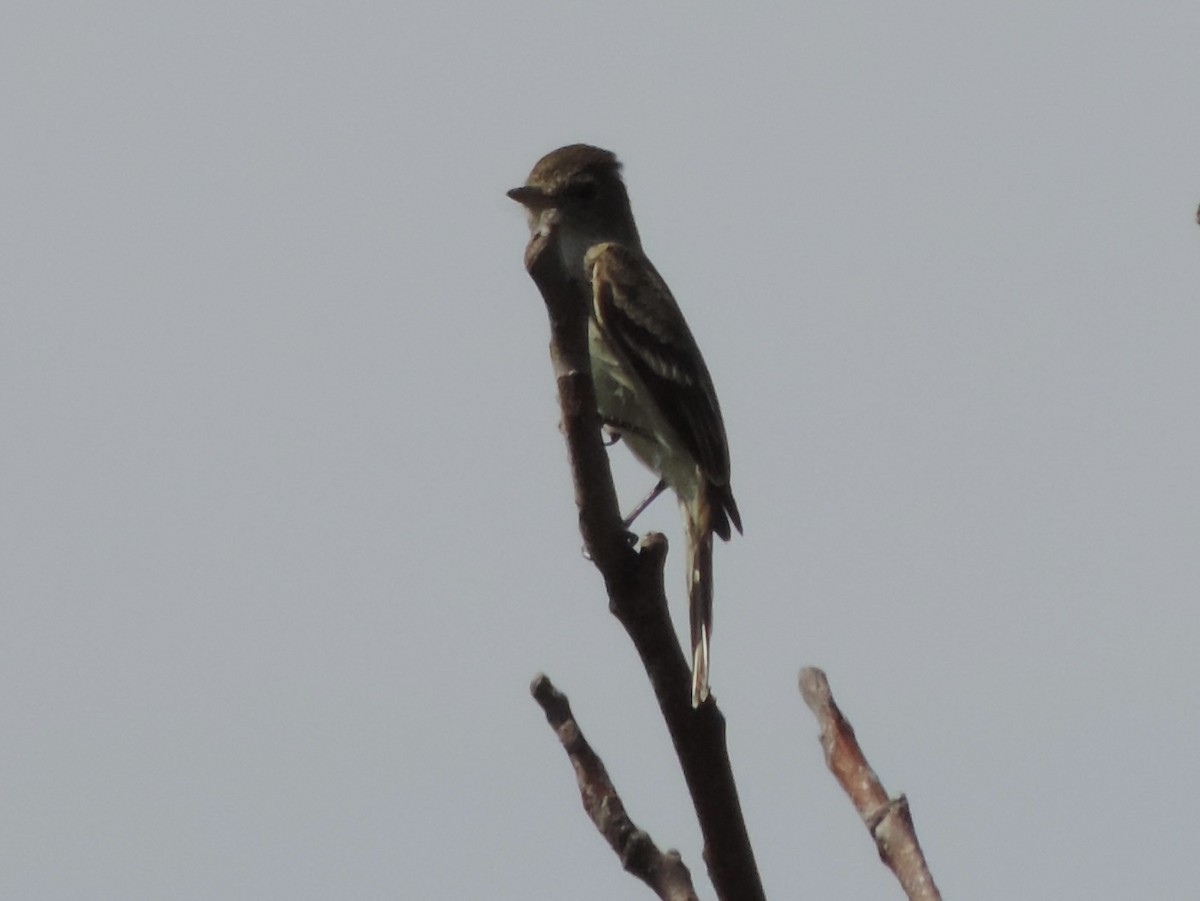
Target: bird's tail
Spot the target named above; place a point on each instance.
(698, 520)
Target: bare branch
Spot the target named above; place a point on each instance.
(568, 307)
(664, 873)
(634, 581)
(889, 821)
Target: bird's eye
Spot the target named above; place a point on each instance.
(585, 190)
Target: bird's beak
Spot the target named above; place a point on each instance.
(531, 197)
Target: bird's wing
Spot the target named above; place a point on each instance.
(637, 313)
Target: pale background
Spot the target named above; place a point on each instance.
(287, 527)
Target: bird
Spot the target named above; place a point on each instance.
(653, 389)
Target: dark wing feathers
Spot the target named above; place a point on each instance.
(638, 314)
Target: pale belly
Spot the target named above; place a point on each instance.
(640, 424)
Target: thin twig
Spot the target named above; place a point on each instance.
(665, 873)
(888, 820)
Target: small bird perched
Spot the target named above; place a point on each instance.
(652, 386)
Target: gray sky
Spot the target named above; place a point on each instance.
(288, 527)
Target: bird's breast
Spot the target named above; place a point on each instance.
(627, 406)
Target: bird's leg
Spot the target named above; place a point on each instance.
(613, 429)
(646, 502)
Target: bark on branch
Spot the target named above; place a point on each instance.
(634, 581)
(888, 820)
(664, 873)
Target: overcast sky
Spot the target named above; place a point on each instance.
(287, 522)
